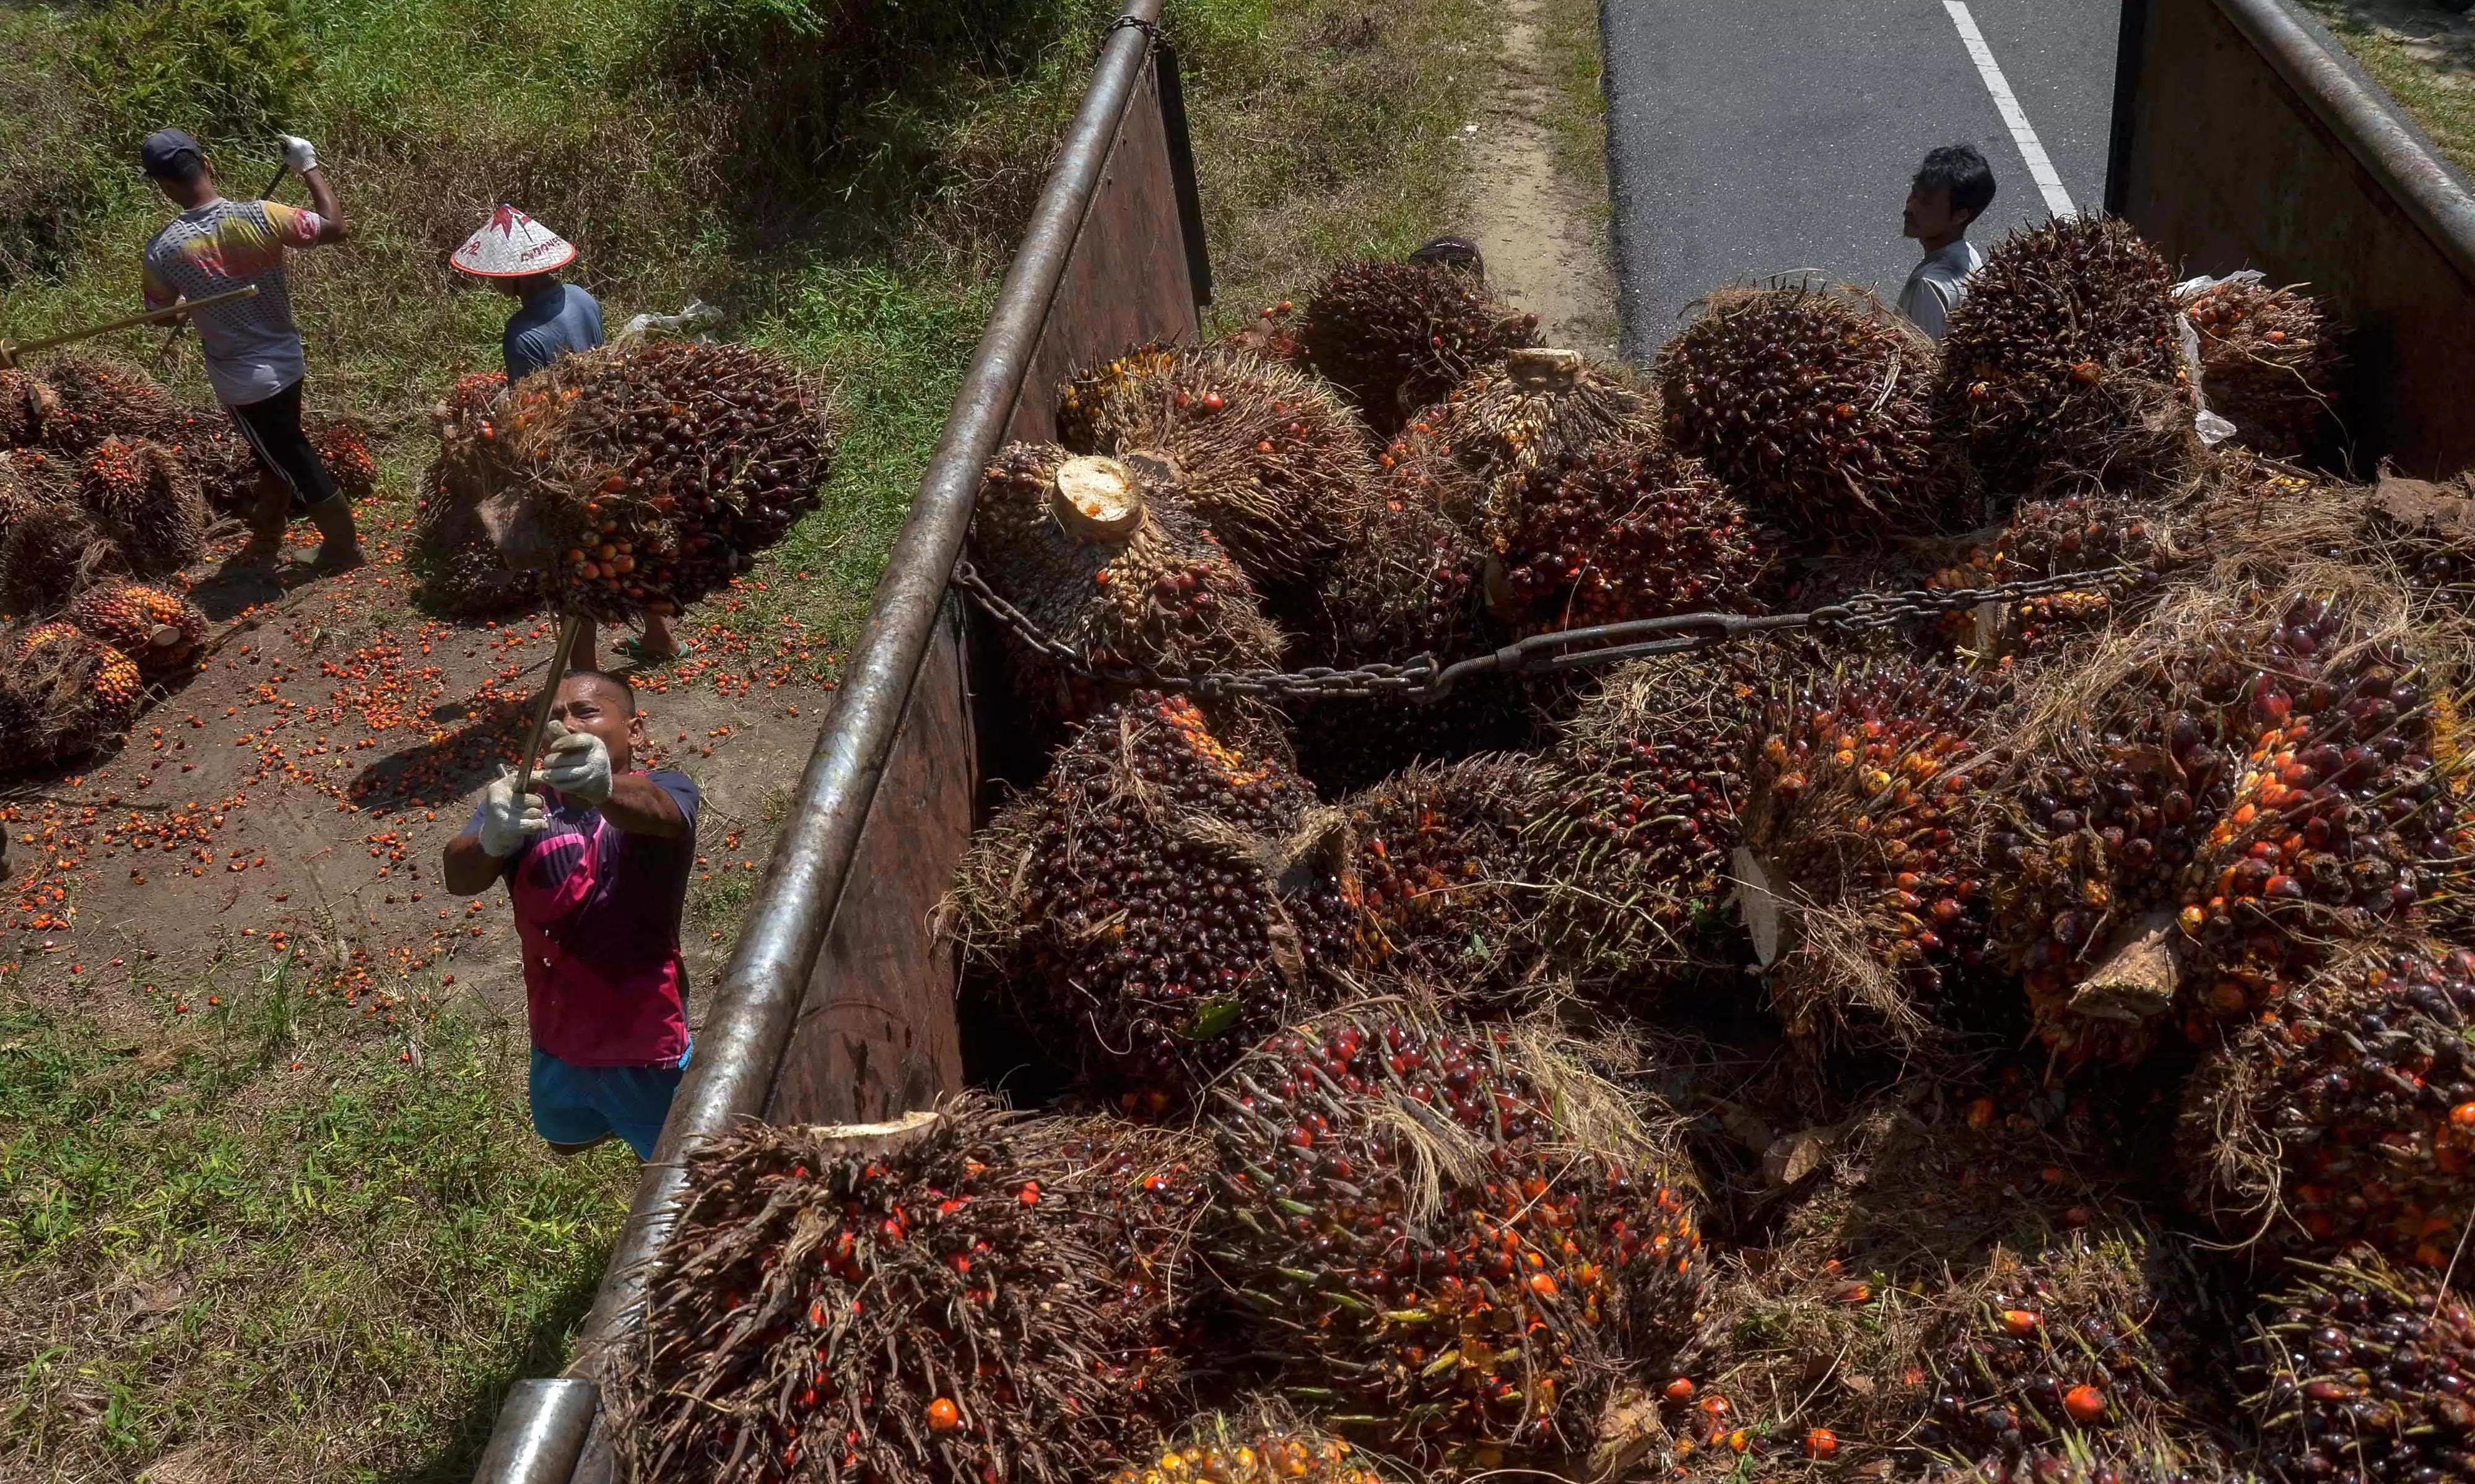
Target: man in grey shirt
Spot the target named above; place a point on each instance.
(1953, 189)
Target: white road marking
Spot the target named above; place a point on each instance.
(2041, 169)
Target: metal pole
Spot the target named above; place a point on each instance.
(540, 1431)
(569, 627)
(760, 995)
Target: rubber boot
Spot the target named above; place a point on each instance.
(342, 550)
(268, 519)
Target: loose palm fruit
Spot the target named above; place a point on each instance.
(1813, 407)
(1258, 452)
(144, 498)
(1161, 901)
(987, 1298)
(1623, 532)
(2364, 1370)
(2063, 363)
(1424, 1230)
(2345, 1112)
(158, 628)
(2268, 363)
(1396, 336)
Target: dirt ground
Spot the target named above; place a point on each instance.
(1544, 235)
(294, 794)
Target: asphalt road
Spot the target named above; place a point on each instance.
(1753, 138)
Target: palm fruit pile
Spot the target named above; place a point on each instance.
(2364, 1372)
(145, 499)
(1814, 407)
(2269, 362)
(1537, 410)
(658, 468)
(1624, 531)
(77, 692)
(1217, 1453)
(2345, 1112)
(1082, 545)
(2052, 538)
(1427, 1231)
(2244, 779)
(956, 1308)
(156, 627)
(2063, 364)
(1162, 900)
(1261, 453)
(1860, 785)
(1441, 865)
(1396, 336)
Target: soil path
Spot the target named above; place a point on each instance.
(1544, 237)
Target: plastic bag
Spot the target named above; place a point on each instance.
(2212, 429)
(694, 318)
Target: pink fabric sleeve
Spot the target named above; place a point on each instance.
(293, 226)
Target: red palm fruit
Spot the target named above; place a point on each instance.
(156, 627)
(2363, 1371)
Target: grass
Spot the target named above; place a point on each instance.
(2437, 92)
(1577, 114)
(269, 1238)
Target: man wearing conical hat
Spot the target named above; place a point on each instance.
(520, 256)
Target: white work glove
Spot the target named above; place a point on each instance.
(576, 764)
(508, 819)
(298, 153)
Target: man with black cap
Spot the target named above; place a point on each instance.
(252, 348)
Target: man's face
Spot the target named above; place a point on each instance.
(589, 703)
(1929, 214)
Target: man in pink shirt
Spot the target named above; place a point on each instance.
(597, 870)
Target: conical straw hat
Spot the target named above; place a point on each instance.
(514, 246)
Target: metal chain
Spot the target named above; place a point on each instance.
(1427, 678)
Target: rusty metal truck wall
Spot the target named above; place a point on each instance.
(2245, 137)
(837, 1004)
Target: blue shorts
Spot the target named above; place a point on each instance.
(578, 1105)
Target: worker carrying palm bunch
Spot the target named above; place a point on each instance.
(596, 865)
(521, 257)
(252, 348)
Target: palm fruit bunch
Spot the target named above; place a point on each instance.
(1637, 815)
(2064, 362)
(1079, 544)
(81, 692)
(2269, 362)
(1396, 336)
(1218, 1452)
(1536, 410)
(953, 1308)
(462, 572)
(95, 398)
(660, 468)
(1161, 901)
(1274, 334)
(1860, 785)
(2345, 1112)
(1447, 884)
(1261, 453)
(26, 408)
(144, 498)
(467, 419)
(156, 627)
(1621, 532)
(51, 548)
(1814, 407)
(2249, 778)
(1410, 578)
(2085, 1354)
(1455, 1234)
(2364, 1372)
(343, 444)
(2051, 538)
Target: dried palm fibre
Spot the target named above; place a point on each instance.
(1455, 1232)
(986, 1301)
(1395, 336)
(1259, 451)
(1814, 407)
(1079, 544)
(144, 498)
(1161, 902)
(2268, 363)
(155, 626)
(2063, 365)
(2363, 1374)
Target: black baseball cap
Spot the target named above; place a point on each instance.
(162, 154)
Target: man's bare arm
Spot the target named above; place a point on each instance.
(322, 200)
(639, 806)
(468, 869)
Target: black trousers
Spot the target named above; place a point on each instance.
(273, 429)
